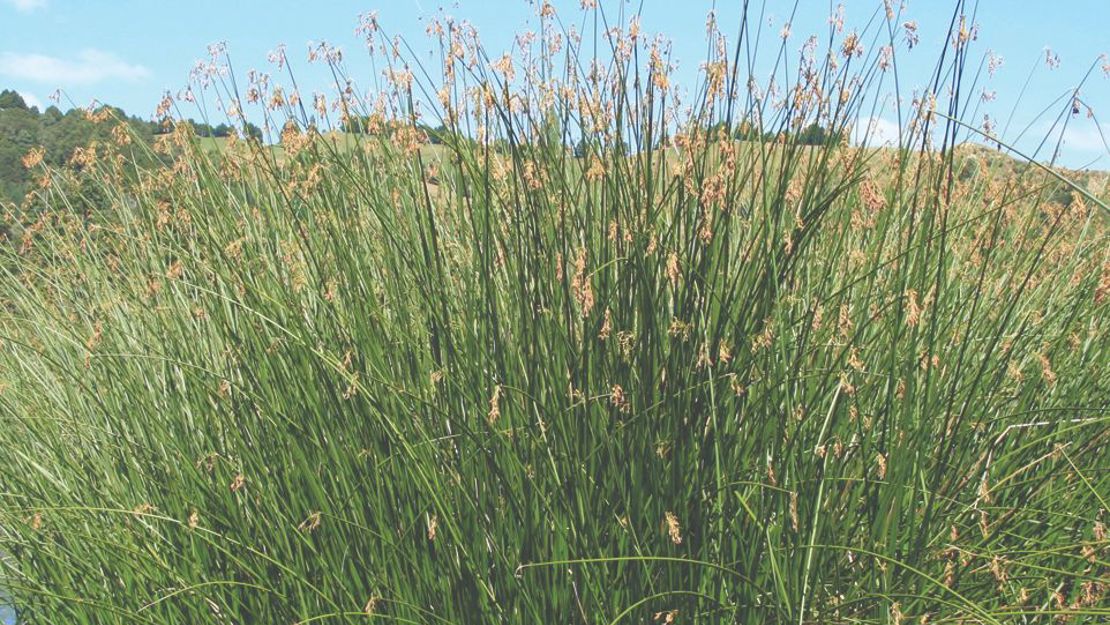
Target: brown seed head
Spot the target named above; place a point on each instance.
(674, 530)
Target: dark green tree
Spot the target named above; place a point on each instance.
(11, 100)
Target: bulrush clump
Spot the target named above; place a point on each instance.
(479, 304)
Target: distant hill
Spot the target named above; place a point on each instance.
(974, 158)
(23, 127)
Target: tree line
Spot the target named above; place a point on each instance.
(24, 127)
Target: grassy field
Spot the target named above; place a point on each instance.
(674, 379)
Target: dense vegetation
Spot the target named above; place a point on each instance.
(23, 128)
(60, 135)
(623, 368)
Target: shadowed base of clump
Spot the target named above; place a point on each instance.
(587, 358)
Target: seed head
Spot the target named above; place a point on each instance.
(912, 38)
(619, 399)
(310, 524)
(794, 510)
(237, 483)
(674, 530)
(371, 605)
(494, 406)
(913, 309)
(33, 157)
(673, 272)
(606, 326)
(581, 286)
(985, 490)
(852, 46)
(896, 613)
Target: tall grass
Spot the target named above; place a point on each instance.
(671, 378)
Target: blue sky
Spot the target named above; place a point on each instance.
(127, 52)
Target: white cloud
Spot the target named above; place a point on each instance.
(30, 99)
(26, 6)
(1085, 138)
(90, 66)
(875, 132)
